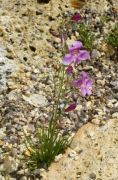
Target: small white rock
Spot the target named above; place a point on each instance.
(72, 154)
(36, 100)
(57, 158)
(115, 115)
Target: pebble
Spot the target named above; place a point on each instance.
(23, 178)
(115, 115)
(36, 100)
(37, 171)
(91, 134)
(10, 164)
(2, 177)
(72, 154)
(57, 158)
(92, 176)
(2, 133)
(95, 54)
(21, 172)
(12, 85)
(36, 71)
(96, 121)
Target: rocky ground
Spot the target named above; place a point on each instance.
(28, 55)
(93, 155)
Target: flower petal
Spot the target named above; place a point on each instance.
(84, 75)
(77, 60)
(68, 58)
(89, 87)
(77, 83)
(69, 70)
(76, 17)
(88, 83)
(71, 107)
(89, 91)
(83, 91)
(75, 45)
(84, 84)
(83, 55)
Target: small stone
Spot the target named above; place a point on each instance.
(90, 134)
(37, 172)
(109, 104)
(2, 178)
(76, 158)
(33, 77)
(23, 178)
(96, 121)
(87, 163)
(21, 172)
(43, 173)
(89, 103)
(27, 153)
(72, 154)
(22, 148)
(11, 85)
(1, 31)
(1, 143)
(13, 95)
(14, 152)
(28, 74)
(2, 133)
(36, 99)
(78, 150)
(92, 176)
(115, 115)
(57, 158)
(79, 107)
(10, 164)
(10, 55)
(95, 54)
(36, 71)
(102, 123)
(116, 105)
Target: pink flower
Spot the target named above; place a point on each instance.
(75, 55)
(84, 83)
(71, 107)
(76, 17)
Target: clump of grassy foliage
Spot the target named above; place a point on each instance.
(49, 141)
(49, 144)
(86, 36)
(112, 38)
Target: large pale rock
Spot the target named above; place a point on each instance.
(96, 150)
(6, 67)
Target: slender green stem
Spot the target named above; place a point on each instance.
(53, 120)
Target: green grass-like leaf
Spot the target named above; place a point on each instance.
(112, 38)
(48, 145)
(86, 36)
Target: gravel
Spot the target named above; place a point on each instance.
(28, 59)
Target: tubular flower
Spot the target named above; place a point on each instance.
(76, 17)
(69, 70)
(84, 83)
(75, 54)
(71, 107)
